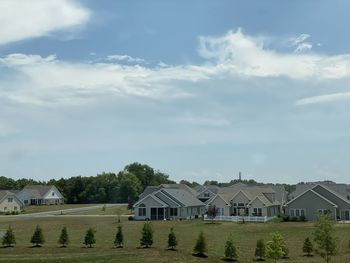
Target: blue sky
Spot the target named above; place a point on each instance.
(198, 89)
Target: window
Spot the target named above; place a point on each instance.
(234, 204)
(10, 200)
(257, 211)
(26, 202)
(292, 212)
(173, 211)
(206, 195)
(53, 194)
(142, 210)
(240, 204)
(297, 212)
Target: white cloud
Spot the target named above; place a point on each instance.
(324, 98)
(21, 20)
(300, 44)
(125, 58)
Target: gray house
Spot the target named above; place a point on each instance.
(319, 198)
(172, 201)
(205, 192)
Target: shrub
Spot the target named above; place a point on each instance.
(38, 237)
(9, 239)
(119, 238)
(302, 218)
(89, 239)
(230, 250)
(130, 218)
(147, 235)
(64, 238)
(308, 247)
(275, 249)
(201, 246)
(260, 250)
(172, 242)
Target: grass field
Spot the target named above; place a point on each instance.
(119, 210)
(46, 208)
(245, 236)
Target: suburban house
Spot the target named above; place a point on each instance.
(41, 195)
(309, 200)
(248, 201)
(9, 202)
(168, 201)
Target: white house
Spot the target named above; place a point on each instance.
(41, 195)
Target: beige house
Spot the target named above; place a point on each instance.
(9, 202)
(247, 201)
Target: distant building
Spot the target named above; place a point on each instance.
(41, 195)
(168, 201)
(308, 200)
(9, 202)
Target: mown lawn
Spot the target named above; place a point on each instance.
(46, 208)
(245, 236)
(119, 210)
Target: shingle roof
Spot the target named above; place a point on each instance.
(151, 189)
(3, 193)
(37, 191)
(183, 196)
(341, 189)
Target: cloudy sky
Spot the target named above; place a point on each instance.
(200, 90)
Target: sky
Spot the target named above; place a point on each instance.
(198, 89)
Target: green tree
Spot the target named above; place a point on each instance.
(64, 238)
(326, 241)
(129, 187)
(230, 249)
(308, 248)
(147, 235)
(90, 239)
(119, 237)
(172, 242)
(275, 248)
(201, 246)
(9, 239)
(38, 237)
(260, 250)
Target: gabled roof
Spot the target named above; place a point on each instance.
(183, 197)
(5, 193)
(214, 197)
(315, 193)
(150, 196)
(38, 191)
(332, 192)
(151, 189)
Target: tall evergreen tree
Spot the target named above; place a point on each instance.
(260, 250)
(38, 237)
(326, 241)
(64, 238)
(119, 237)
(308, 247)
(147, 235)
(231, 252)
(89, 239)
(201, 246)
(9, 239)
(172, 242)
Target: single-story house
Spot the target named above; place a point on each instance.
(9, 202)
(41, 195)
(243, 200)
(171, 201)
(318, 198)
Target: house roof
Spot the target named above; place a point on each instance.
(331, 191)
(183, 196)
(37, 191)
(151, 189)
(341, 189)
(314, 192)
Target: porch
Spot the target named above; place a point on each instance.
(256, 219)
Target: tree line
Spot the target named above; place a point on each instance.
(124, 186)
(323, 236)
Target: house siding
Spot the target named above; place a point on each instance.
(311, 203)
(15, 205)
(221, 205)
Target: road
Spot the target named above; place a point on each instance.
(63, 212)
